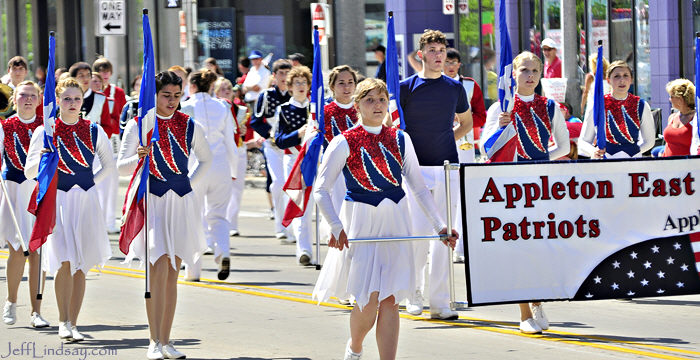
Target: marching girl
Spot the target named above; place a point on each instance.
(292, 126)
(216, 188)
(378, 275)
(541, 135)
(629, 126)
(79, 239)
(223, 89)
(16, 131)
(172, 238)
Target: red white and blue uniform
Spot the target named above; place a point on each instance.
(374, 162)
(15, 134)
(629, 128)
(174, 215)
(541, 131)
(338, 118)
(80, 236)
(263, 122)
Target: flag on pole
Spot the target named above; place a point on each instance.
(599, 100)
(134, 211)
(301, 179)
(502, 145)
(697, 83)
(43, 200)
(392, 74)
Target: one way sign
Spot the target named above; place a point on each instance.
(111, 17)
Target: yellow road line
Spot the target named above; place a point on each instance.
(561, 335)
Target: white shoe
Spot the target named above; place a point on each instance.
(38, 322)
(234, 233)
(458, 258)
(349, 355)
(529, 326)
(209, 251)
(540, 317)
(444, 314)
(281, 235)
(272, 214)
(169, 352)
(305, 258)
(64, 330)
(155, 351)
(113, 230)
(77, 336)
(344, 302)
(9, 313)
(415, 304)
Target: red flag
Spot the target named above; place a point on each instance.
(45, 213)
(298, 191)
(134, 214)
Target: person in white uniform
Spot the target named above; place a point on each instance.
(553, 143)
(175, 231)
(16, 132)
(216, 189)
(79, 239)
(378, 275)
(629, 126)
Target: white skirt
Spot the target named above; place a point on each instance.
(19, 196)
(175, 228)
(79, 236)
(386, 267)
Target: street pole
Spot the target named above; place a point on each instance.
(191, 20)
(570, 44)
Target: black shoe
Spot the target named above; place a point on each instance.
(224, 268)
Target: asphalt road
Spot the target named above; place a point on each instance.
(264, 311)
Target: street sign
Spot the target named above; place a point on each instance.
(173, 4)
(448, 7)
(321, 17)
(111, 17)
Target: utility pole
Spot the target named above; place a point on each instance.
(570, 44)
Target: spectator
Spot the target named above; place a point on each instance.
(679, 131)
(297, 59)
(16, 71)
(257, 78)
(380, 55)
(243, 68)
(116, 98)
(211, 64)
(552, 66)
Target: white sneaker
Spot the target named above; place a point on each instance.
(113, 229)
(344, 301)
(529, 326)
(540, 317)
(234, 233)
(349, 355)
(305, 258)
(209, 251)
(444, 314)
(64, 330)
(9, 313)
(169, 352)
(38, 322)
(458, 258)
(77, 336)
(272, 214)
(155, 351)
(280, 235)
(415, 304)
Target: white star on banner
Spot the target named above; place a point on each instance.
(655, 249)
(615, 286)
(647, 265)
(633, 255)
(661, 274)
(644, 282)
(684, 267)
(680, 284)
(677, 246)
(616, 264)
(670, 260)
(597, 279)
(630, 274)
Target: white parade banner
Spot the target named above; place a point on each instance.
(582, 230)
(554, 88)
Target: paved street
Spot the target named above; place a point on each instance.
(264, 311)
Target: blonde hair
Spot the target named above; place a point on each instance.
(299, 71)
(526, 55)
(593, 64)
(69, 82)
(23, 83)
(333, 76)
(220, 82)
(684, 89)
(618, 64)
(366, 86)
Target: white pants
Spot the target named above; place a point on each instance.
(301, 227)
(440, 261)
(273, 157)
(234, 204)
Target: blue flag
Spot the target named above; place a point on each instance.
(147, 101)
(49, 160)
(506, 83)
(310, 163)
(599, 102)
(392, 74)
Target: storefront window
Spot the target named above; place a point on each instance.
(642, 49)
(375, 32)
(535, 27)
(598, 26)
